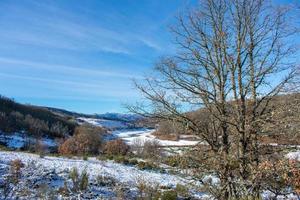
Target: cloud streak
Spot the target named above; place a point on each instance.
(69, 69)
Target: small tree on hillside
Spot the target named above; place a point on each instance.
(233, 57)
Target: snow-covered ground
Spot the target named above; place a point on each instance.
(143, 135)
(18, 140)
(123, 173)
(295, 155)
(54, 171)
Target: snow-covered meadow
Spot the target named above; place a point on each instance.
(53, 171)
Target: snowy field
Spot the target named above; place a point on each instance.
(129, 136)
(53, 171)
(123, 173)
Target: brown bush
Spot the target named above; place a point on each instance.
(151, 149)
(280, 176)
(116, 147)
(15, 170)
(86, 140)
(68, 147)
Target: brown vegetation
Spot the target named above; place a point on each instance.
(116, 147)
(86, 140)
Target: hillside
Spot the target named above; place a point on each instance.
(36, 121)
(282, 125)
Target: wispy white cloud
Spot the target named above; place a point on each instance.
(53, 27)
(79, 88)
(80, 70)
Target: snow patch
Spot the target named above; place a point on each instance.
(293, 155)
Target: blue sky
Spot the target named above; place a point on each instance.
(81, 55)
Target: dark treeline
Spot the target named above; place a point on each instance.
(35, 120)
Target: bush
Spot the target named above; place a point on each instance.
(106, 181)
(85, 157)
(169, 195)
(84, 180)
(147, 166)
(133, 162)
(173, 161)
(80, 182)
(69, 147)
(147, 189)
(121, 159)
(116, 147)
(147, 149)
(87, 140)
(182, 190)
(40, 148)
(15, 170)
(280, 176)
(151, 149)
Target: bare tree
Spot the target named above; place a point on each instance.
(233, 57)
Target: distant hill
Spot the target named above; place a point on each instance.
(107, 116)
(35, 120)
(119, 117)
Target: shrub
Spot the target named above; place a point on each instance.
(147, 189)
(116, 147)
(173, 161)
(68, 147)
(146, 149)
(121, 159)
(86, 140)
(151, 149)
(147, 165)
(169, 195)
(279, 176)
(182, 190)
(84, 180)
(15, 170)
(137, 146)
(103, 180)
(85, 157)
(74, 176)
(80, 182)
(12, 179)
(133, 162)
(40, 148)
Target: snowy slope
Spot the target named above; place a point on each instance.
(123, 173)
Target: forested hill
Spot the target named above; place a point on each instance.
(281, 126)
(35, 120)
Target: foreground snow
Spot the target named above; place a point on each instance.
(123, 173)
(54, 171)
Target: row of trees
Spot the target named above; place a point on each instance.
(16, 121)
(233, 57)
